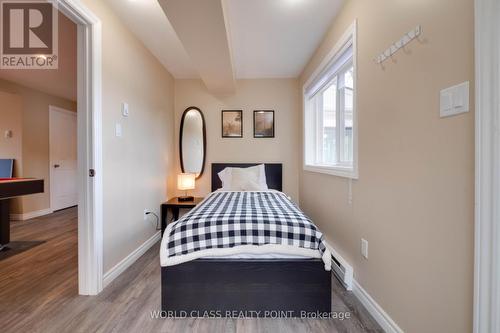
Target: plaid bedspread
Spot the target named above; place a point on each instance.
(234, 219)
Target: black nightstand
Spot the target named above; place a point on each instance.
(175, 205)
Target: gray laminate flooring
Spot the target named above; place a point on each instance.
(39, 293)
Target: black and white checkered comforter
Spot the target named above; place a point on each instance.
(228, 223)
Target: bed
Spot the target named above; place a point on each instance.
(229, 279)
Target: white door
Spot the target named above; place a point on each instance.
(63, 158)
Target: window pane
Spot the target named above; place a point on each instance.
(309, 131)
(349, 82)
(329, 125)
(348, 147)
(329, 117)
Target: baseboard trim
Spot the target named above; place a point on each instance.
(30, 215)
(119, 268)
(380, 316)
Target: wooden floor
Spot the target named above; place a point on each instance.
(39, 293)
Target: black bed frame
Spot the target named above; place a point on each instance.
(248, 287)
(274, 174)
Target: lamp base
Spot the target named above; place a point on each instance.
(186, 198)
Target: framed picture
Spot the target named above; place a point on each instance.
(263, 124)
(232, 123)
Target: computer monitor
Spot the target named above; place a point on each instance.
(6, 168)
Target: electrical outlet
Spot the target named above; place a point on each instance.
(364, 248)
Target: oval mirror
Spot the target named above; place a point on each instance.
(192, 141)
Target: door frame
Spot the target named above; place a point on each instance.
(89, 119)
(53, 109)
(487, 161)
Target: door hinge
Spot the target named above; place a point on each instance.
(91, 173)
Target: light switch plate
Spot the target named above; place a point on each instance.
(446, 101)
(364, 248)
(454, 100)
(118, 130)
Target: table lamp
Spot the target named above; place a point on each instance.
(185, 182)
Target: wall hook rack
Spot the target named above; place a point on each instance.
(406, 39)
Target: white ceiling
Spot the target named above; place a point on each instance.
(267, 38)
(146, 20)
(206, 42)
(276, 38)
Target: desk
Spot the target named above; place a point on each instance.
(11, 188)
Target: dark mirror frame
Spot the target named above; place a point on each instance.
(204, 138)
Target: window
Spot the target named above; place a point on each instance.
(329, 115)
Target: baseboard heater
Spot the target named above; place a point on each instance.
(342, 270)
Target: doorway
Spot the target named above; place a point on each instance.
(88, 166)
(63, 163)
(89, 138)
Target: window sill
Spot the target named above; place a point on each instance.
(350, 173)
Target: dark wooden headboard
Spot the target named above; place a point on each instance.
(274, 174)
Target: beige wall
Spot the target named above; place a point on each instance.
(281, 95)
(11, 119)
(11, 115)
(59, 82)
(35, 139)
(414, 199)
(136, 165)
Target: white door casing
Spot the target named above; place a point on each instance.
(89, 105)
(63, 158)
(487, 207)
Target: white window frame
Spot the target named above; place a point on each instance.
(337, 170)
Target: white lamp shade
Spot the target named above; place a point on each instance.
(186, 181)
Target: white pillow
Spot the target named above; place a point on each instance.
(241, 179)
(253, 186)
(225, 177)
(262, 177)
(244, 179)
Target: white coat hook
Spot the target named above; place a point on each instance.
(400, 44)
